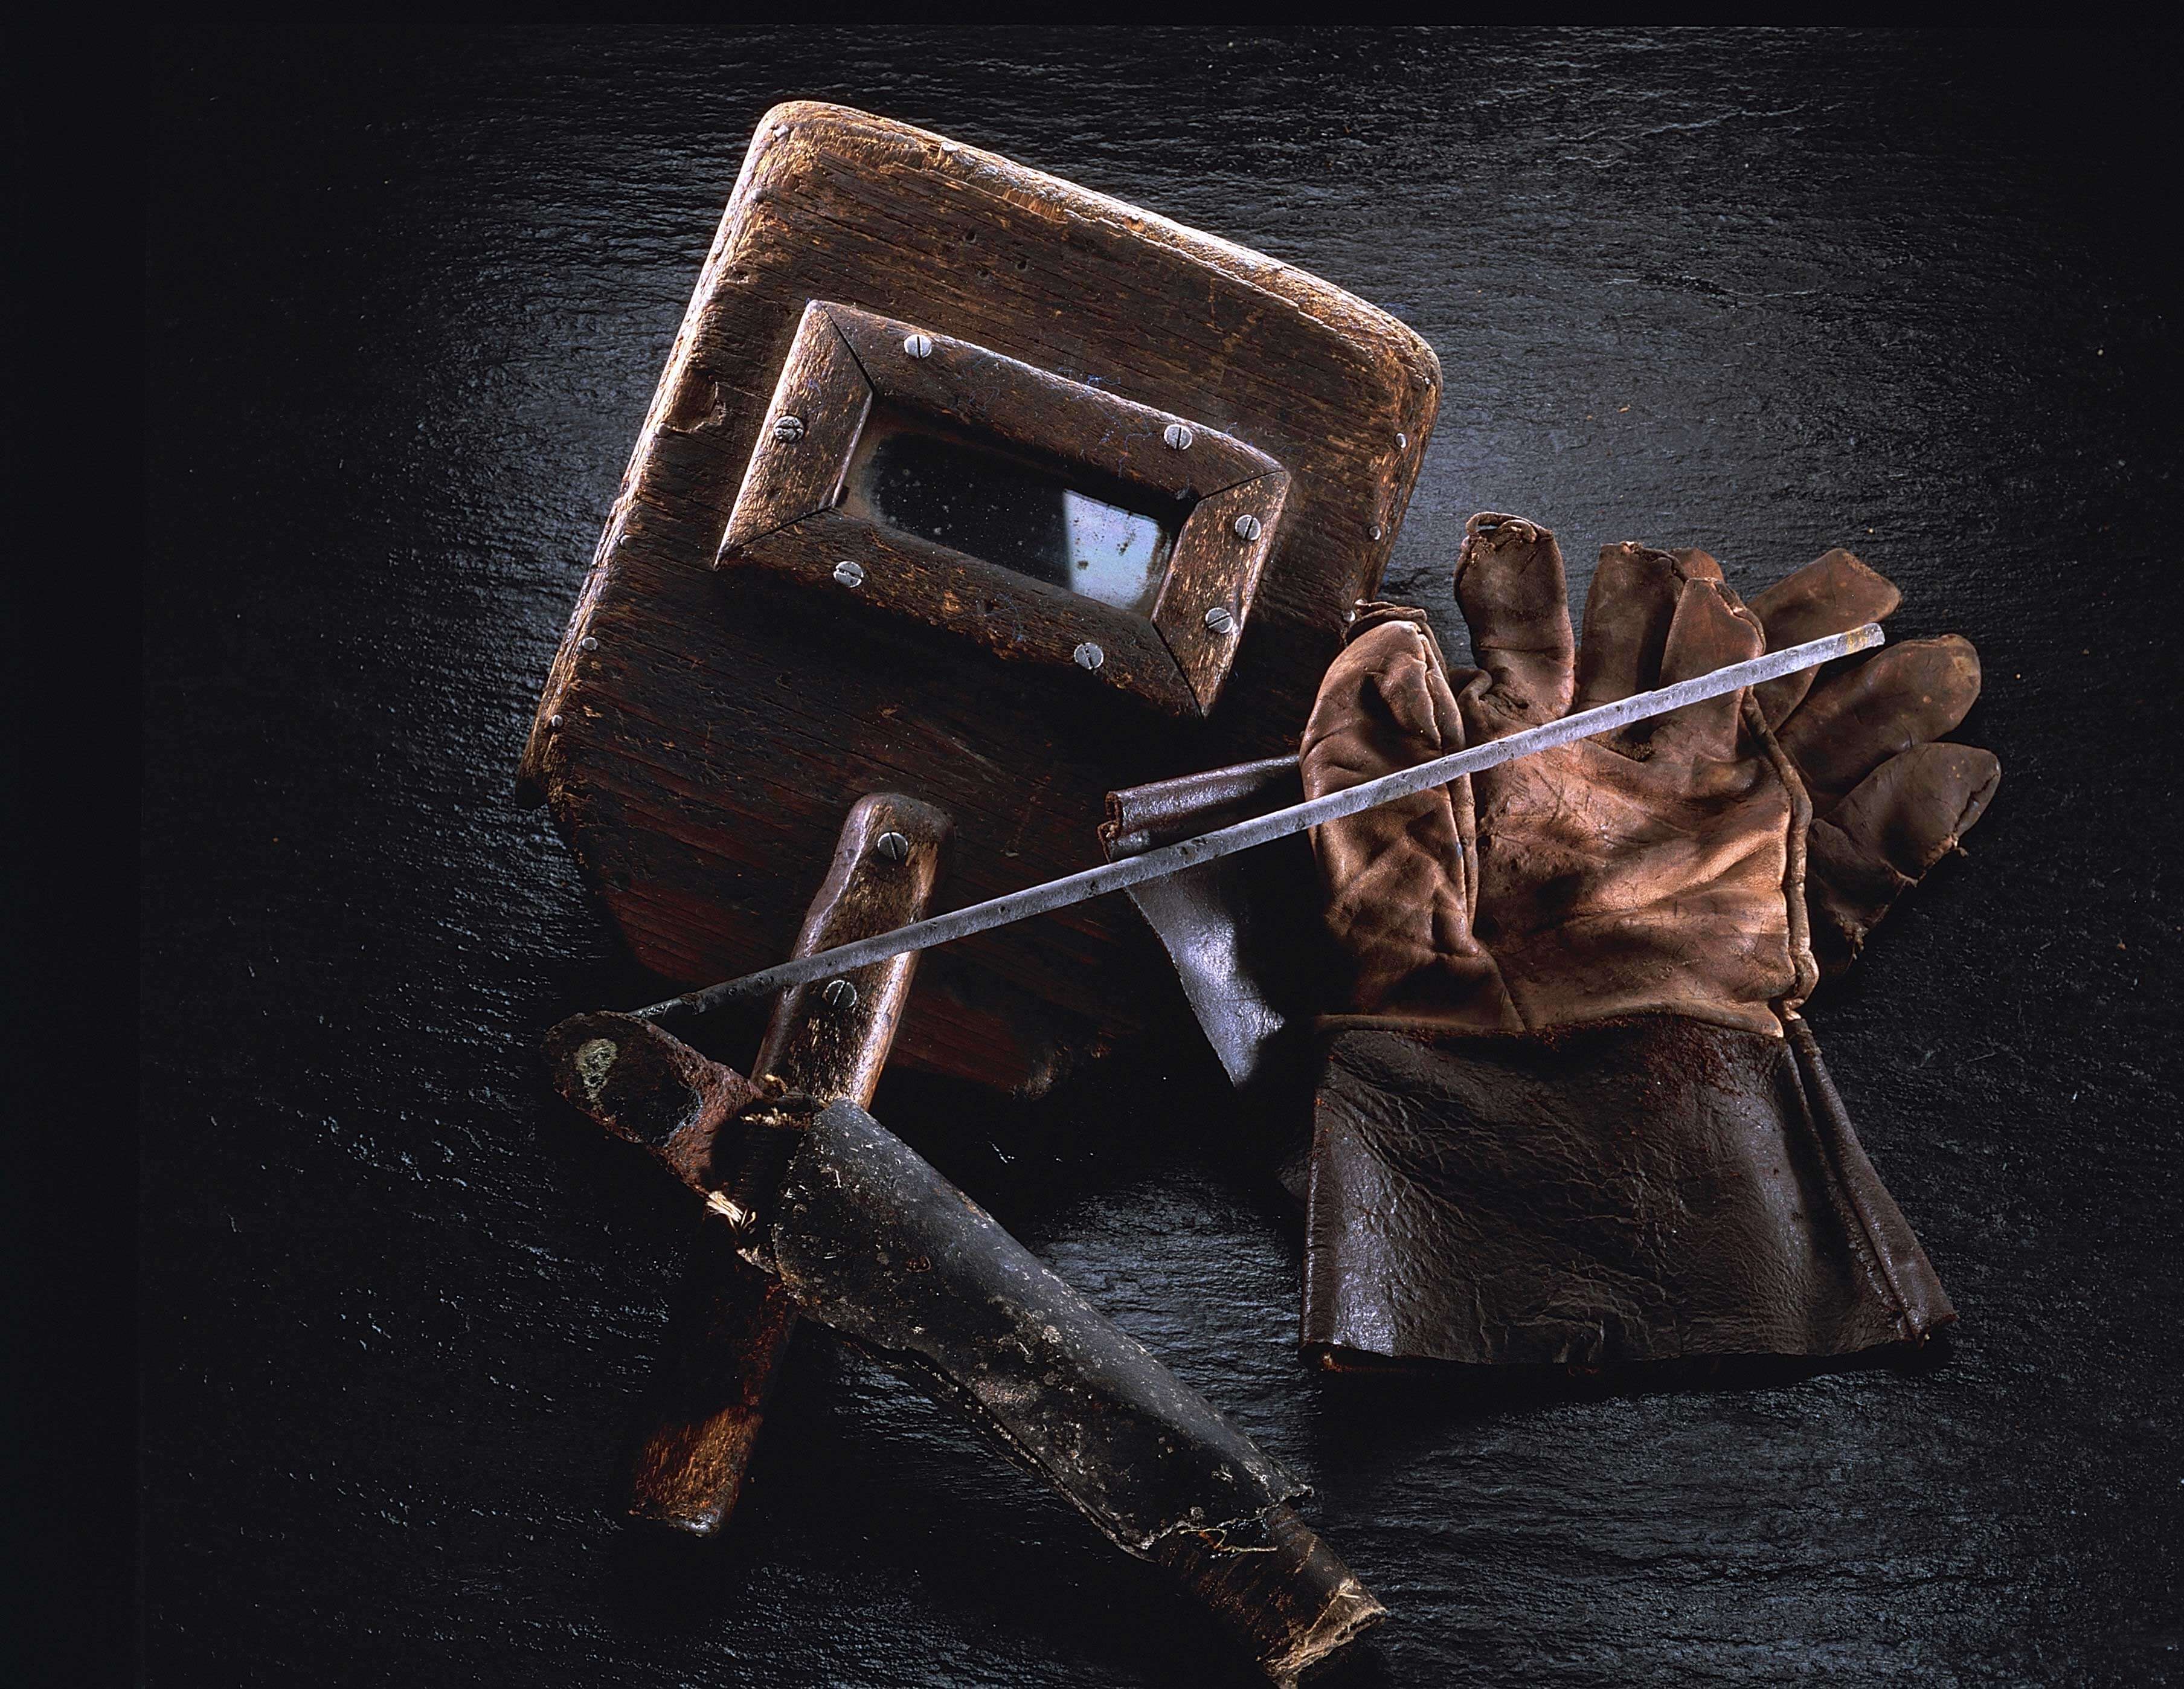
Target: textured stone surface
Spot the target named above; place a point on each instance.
(407, 303)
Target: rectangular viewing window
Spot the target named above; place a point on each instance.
(1082, 533)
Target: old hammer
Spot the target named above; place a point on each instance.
(832, 1218)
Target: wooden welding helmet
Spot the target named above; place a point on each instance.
(966, 483)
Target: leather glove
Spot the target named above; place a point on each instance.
(1572, 1115)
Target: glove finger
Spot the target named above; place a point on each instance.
(1831, 594)
(1880, 840)
(1909, 695)
(1399, 889)
(1627, 612)
(1912, 810)
(1510, 586)
(1707, 633)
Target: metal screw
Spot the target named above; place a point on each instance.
(587, 643)
(839, 994)
(893, 846)
(1219, 619)
(1247, 527)
(1402, 441)
(552, 721)
(1375, 533)
(1178, 437)
(1089, 655)
(849, 574)
(788, 430)
(918, 345)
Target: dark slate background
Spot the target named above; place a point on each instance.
(407, 298)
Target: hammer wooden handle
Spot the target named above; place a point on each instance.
(829, 1039)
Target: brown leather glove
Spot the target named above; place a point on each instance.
(1573, 1115)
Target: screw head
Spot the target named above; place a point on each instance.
(918, 345)
(552, 721)
(1089, 655)
(1247, 527)
(893, 846)
(1375, 531)
(788, 430)
(848, 573)
(840, 994)
(1178, 437)
(1218, 620)
(1402, 443)
(587, 643)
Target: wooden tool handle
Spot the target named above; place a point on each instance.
(831, 1044)
(828, 1039)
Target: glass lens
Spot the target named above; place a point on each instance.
(943, 486)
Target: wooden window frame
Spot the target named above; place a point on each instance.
(844, 362)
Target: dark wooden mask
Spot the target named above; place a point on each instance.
(970, 483)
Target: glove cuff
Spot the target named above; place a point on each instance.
(1645, 1189)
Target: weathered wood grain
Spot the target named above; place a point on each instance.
(710, 1403)
(806, 438)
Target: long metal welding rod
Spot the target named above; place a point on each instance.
(1264, 829)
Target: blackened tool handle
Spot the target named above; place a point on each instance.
(871, 1240)
(868, 1238)
(829, 1039)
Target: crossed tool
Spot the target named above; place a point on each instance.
(832, 1218)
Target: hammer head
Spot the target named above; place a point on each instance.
(1243, 931)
